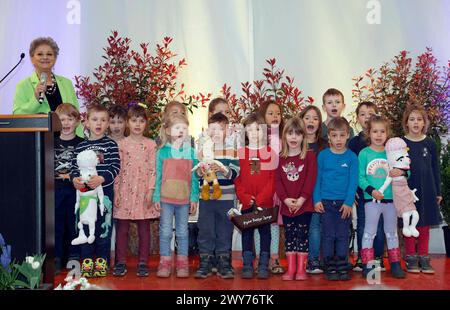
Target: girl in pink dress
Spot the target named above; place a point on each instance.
(134, 190)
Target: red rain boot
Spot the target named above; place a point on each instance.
(290, 273)
(301, 266)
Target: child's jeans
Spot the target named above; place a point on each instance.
(215, 233)
(315, 236)
(378, 243)
(181, 214)
(373, 211)
(335, 230)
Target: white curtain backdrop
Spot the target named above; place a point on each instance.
(322, 43)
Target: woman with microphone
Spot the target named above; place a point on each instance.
(43, 91)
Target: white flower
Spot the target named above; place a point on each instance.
(29, 259)
(35, 265)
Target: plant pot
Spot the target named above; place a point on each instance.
(446, 230)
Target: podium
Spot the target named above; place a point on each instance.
(27, 186)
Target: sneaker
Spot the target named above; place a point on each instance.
(119, 270)
(142, 270)
(87, 268)
(100, 268)
(380, 261)
(425, 266)
(358, 267)
(331, 272)
(276, 267)
(313, 267)
(412, 263)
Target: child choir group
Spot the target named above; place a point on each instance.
(316, 172)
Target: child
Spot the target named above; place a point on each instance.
(294, 183)
(364, 111)
(425, 177)
(117, 124)
(133, 190)
(215, 229)
(65, 195)
(255, 186)
(333, 197)
(312, 119)
(333, 105)
(373, 170)
(273, 116)
(108, 168)
(176, 192)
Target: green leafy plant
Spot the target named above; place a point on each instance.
(445, 179)
(8, 277)
(31, 269)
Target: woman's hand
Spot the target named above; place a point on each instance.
(40, 88)
(395, 173)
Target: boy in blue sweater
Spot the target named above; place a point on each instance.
(334, 193)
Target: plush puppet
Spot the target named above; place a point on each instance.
(88, 198)
(403, 196)
(206, 157)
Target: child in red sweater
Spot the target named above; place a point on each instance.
(295, 178)
(255, 186)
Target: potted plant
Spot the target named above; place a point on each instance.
(445, 205)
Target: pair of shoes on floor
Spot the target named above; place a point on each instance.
(314, 267)
(417, 264)
(91, 269)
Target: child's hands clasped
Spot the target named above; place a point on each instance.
(77, 183)
(95, 181)
(346, 211)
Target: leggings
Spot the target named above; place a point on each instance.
(373, 211)
(296, 230)
(122, 239)
(422, 242)
(274, 242)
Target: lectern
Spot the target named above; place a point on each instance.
(27, 186)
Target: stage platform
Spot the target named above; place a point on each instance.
(439, 281)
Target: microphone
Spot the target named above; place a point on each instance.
(43, 80)
(22, 56)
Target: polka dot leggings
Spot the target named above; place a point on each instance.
(296, 230)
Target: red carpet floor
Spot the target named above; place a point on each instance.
(439, 281)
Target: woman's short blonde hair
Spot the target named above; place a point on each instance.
(43, 41)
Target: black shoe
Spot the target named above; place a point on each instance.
(342, 269)
(263, 265)
(425, 266)
(119, 270)
(397, 271)
(331, 272)
(142, 270)
(225, 269)
(412, 263)
(204, 270)
(314, 267)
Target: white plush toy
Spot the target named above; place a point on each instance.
(403, 196)
(206, 146)
(87, 198)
